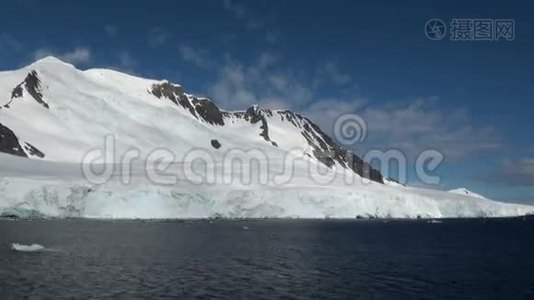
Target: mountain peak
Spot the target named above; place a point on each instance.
(51, 61)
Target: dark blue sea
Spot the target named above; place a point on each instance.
(268, 259)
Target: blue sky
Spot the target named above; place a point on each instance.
(472, 101)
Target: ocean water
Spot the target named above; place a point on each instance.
(265, 259)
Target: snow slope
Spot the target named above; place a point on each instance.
(52, 115)
(466, 192)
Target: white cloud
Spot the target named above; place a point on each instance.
(266, 60)
(271, 37)
(9, 44)
(123, 61)
(195, 56)
(230, 89)
(242, 13)
(324, 112)
(411, 127)
(275, 103)
(239, 85)
(111, 30)
(126, 60)
(236, 9)
(329, 72)
(515, 172)
(79, 55)
(158, 36)
(423, 124)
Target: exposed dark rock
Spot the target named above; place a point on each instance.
(395, 180)
(252, 115)
(202, 109)
(324, 158)
(255, 115)
(33, 86)
(174, 93)
(290, 116)
(274, 144)
(167, 90)
(215, 144)
(226, 114)
(9, 143)
(9, 216)
(265, 130)
(327, 151)
(208, 111)
(17, 92)
(33, 151)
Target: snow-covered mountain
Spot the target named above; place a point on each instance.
(52, 115)
(56, 112)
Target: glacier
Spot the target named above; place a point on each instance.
(66, 194)
(61, 200)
